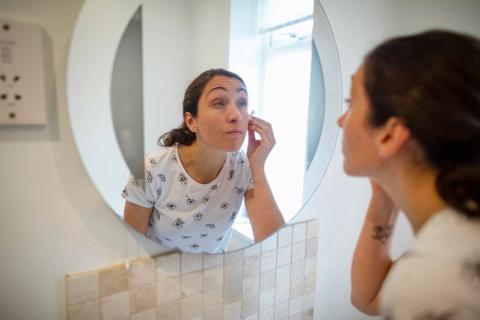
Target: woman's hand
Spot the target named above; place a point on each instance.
(258, 150)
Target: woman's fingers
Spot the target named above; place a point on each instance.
(263, 127)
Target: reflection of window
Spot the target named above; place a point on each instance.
(279, 91)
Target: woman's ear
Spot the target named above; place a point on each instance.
(190, 121)
(392, 136)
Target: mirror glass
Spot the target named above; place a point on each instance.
(128, 82)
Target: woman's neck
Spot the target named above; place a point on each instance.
(414, 191)
(202, 163)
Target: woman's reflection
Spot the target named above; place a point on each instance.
(197, 179)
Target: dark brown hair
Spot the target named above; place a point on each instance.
(431, 81)
(183, 135)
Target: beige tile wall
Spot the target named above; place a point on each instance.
(274, 279)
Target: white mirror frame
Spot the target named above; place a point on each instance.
(88, 91)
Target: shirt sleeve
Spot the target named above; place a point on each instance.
(134, 193)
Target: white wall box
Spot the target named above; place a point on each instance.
(22, 74)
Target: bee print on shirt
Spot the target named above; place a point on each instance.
(194, 246)
(224, 205)
(124, 193)
(210, 225)
(238, 190)
(205, 199)
(241, 161)
(152, 162)
(186, 236)
(203, 235)
(151, 202)
(178, 223)
(149, 176)
(174, 158)
(171, 205)
(232, 217)
(190, 201)
(219, 239)
(166, 238)
(182, 178)
(156, 213)
(159, 192)
(198, 216)
(161, 177)
(231, 174)
(214, 187)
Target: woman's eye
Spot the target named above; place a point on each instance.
(243, 103)
(218, 103)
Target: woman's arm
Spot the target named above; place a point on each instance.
(137, 216)
(372, 260)
(262, 209)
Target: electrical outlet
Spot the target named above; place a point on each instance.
(22, 74)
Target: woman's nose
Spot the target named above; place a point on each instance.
(234, 113)
(340, 120)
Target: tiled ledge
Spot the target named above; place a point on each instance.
(274, 279)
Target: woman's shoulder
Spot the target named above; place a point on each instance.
(160, 157)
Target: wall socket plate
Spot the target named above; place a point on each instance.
(23, 98)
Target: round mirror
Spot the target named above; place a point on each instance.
(126, 80)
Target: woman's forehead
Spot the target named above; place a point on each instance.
(224, 83)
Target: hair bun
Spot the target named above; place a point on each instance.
(460, 187)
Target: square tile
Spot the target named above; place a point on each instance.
(311, 265)
(213, 277)
(298, 270)
(310, 282)
(253, 251)
(312, 229)
(268, 260)
(232, 290)
(84, 311)
(170, 311)
(296, 288)
(285, 236)
(145, 315)
(307, 315)
(311, 248)
(233, 272)
(115, 306)
(267, 299)
(168, 290)
(299, 232)
(284, 256)
(142, 298)
(233, 258)
(213, 299)
(283, 275)
(141, 272)
(192, 283)
(168, 266)
(232, 311)
(267, 280)
(282, 293)
(192, 306)
(251, 286)
(270, 243)
(295, 306)
(212, 260)
(113, 280)
(191, 262)
(298, 251)
(251, 266)
(215, 314)
(308, 301)
(266, 314)
(249, 306)
(281, 311)
(82, 287)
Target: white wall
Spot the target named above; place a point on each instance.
(53, 222)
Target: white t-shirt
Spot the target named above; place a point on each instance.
(188, 215)
(439, 278)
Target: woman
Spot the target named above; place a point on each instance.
(413, 128)
(197, 180)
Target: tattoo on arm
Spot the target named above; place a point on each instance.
(382, 233)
